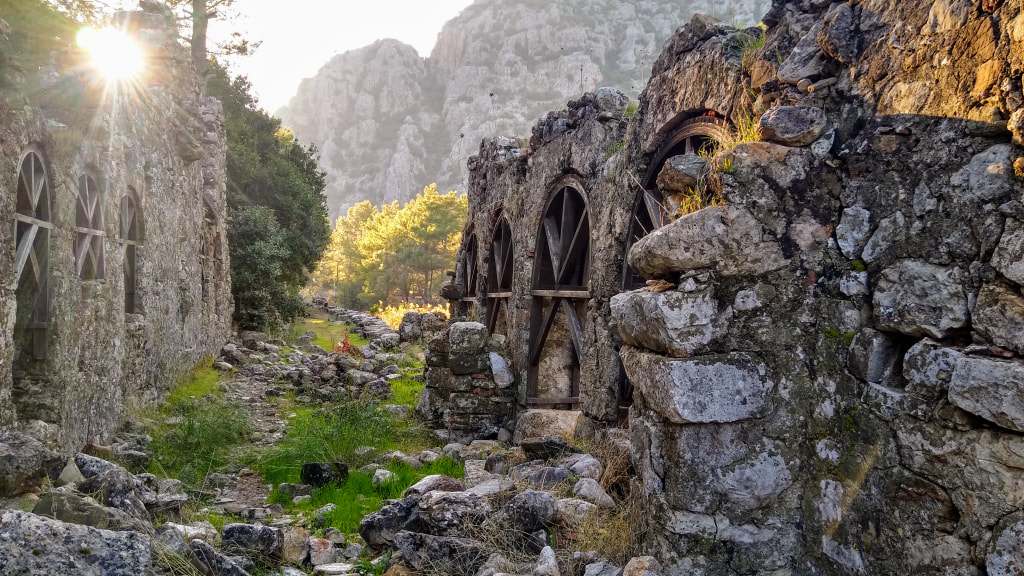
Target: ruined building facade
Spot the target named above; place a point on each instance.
(115, 272)
(823, 372)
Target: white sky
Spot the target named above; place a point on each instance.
(300, 36)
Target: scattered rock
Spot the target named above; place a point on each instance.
(319, 474)
(793, 125)
(24, 463)
(590, 490)
(252, 541)
(546, 564)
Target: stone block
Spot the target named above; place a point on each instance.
(793, 125)
(24, 463)
(853, 231)
(999, 317)
(31, 544)
(501, 372)
(921, 299)
(670, 322)
(467, 338)
(713, 388)
(538, 423)
(1008, 257)
(463, 364)
(873, 356)
(1007, 556)
(992, 389)
(681, 173)
(987, 177)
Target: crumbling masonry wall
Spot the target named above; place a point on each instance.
(833, 380)
(161, 142)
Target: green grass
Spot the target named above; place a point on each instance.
(196, 432)
(315, 436)
(357, 496)
(328, 334)
(406, 391)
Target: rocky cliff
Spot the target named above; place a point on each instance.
(388, 122)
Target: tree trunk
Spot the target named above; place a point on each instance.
(200, 21)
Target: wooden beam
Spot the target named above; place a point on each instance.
(551, 232)
(33, 221)
(575, 329)
(552, 401)
(542, 335)
(499, 294)
(24, 248)
(577, 294)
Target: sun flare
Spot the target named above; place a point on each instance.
(114, 54)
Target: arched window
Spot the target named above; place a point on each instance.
(131, 227)
(88, 230)
(31, 261)
(560, 293)
(499, 277)
(690, 137)
(469, 280)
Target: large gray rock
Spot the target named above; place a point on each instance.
(528, 511)
(447, 513)
(793, 125)
(992, 389)
(921, 299)
(31, 545)
(806, 61)
(118, 488)
(853, 231)
(1008, 257)
(715, 388)
(681, 173)
(467, 338)
(538, 423)
(574, 512)
(999, 317)
(68, 506)
(546, 565)
(252, 540)
(988, 176)
(672, 322)
(210, 562)
(874, 356)
(1007, 556)
(441, 554)
(590, 490)
(726, 238)
(434, 482)
(379, 528)
(24, 463)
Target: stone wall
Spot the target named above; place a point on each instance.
(159, 140)
(827, 367)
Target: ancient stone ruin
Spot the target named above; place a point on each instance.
(815, 338)
(116, 268)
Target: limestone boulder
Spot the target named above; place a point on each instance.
(992, 389)
(921, 299)
(493, 487)
(74, 508)
(501, 372)
(528, 511)
(1007, 556)
(989, 176)
(928, 368)
(118, 488)
(31, 544)
(714, 388)
(806, 61)
(538, 423)
(602, 569)
(209, 560)
(574, 512)
(24, 463)
(582, 466)
(793, 125)
(681, 173)
(874, 356)
(379, 528)
(467, 338)
(295, 545)
(590, 490)
(443, 554)
(435, 482)
(252, 541)
(547, 564)
(672, 322)
(999, 317)
(853, 231)
(839, 38)
(1008, 257)
(447, 513)
(726, 238)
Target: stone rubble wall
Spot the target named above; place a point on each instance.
(167, 142)
(832, 381)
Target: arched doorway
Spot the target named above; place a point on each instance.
(31, 262)
(499, 277)
(560, 295)
(471, 259)
(131, 227)
(692, 136)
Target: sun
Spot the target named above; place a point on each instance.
(113, 53)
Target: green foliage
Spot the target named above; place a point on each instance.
(369, 568)
(319, 436)
(630, 110)
(198, 431)
(406, 391)
(392, 253)
(277, 207)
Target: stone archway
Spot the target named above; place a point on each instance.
(33, 224)
(499, 277)
(560, 296)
